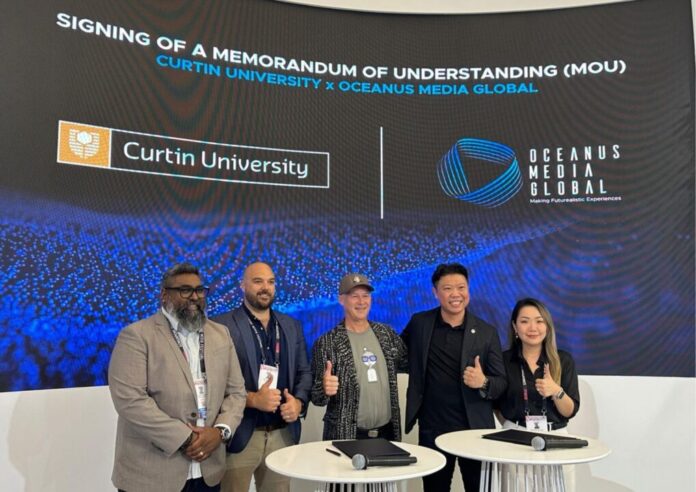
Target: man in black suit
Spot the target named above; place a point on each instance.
(273, 357)
(455, 372)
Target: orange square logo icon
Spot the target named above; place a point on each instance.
(85, 145)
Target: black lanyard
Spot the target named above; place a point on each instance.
(276, 352)
(525, 394)
(201, 347)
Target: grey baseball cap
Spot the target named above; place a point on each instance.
(353, 280)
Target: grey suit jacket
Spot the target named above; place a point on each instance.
(153, 393)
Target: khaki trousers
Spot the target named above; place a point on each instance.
(251, 461)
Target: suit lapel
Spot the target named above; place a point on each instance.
(469, 342)
(211, 374)
(285, 351)
(250, 342)
(427, 334)
(162, 325)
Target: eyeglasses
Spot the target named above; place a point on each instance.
(186, 291)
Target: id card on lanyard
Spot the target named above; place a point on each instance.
(267, 371)
(533, 422)
(200, 384)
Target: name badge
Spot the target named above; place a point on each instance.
(536, 423)
(266, 372)
(201, 397)
(370, 359)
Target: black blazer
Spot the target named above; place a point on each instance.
(299, 373)
(480, 339)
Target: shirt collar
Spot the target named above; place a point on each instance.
(444, 323)
(253, 318)
(517, 353)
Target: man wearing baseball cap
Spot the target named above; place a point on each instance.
(354, 369)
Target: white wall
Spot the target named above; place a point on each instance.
(63, 440)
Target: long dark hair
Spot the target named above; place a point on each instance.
(549, 344)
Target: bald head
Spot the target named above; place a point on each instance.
(258, 285)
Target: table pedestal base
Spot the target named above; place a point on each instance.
(359, 487)
(498, 477)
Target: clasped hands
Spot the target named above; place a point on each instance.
(204, 442)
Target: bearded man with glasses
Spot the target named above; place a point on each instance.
(178, 390)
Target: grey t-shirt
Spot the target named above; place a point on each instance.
(374, 408)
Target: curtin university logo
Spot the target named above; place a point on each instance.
(84, 145)
(472, 158)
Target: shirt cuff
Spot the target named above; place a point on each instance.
(224, 426)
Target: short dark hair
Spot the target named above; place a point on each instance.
(449, 269)
(178, 269)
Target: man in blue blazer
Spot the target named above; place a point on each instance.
(455, 372)
(273, 356)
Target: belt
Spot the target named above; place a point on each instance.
(272, 427)
(372, 433)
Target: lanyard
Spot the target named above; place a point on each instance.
(525, 394)
(276, 352)
(201, 347)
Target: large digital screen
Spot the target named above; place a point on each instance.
(550, 152)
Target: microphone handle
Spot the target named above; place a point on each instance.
(360, 461)
(552, 443)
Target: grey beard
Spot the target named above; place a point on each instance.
(191, 321)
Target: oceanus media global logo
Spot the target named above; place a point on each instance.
(480, 172)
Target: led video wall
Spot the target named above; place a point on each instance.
(550, 152)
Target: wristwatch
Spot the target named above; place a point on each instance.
(559, 395)
(225, 433)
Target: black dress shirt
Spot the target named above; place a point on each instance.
(511, 404)
(443, 382)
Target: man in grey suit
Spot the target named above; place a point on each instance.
(178, 390)
(273, 356)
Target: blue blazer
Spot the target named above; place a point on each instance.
(480, 339)
(299, 373)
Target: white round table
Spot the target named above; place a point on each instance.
(547, 465)
(311, 461)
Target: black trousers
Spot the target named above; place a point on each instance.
(441, 481)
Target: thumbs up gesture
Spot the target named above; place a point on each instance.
(547, 386)
(290, 410)
(330, 381)
(473, 376)
(267, 399)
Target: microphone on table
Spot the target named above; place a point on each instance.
(543, 443)
(360, 461)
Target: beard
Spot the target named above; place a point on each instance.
(191, 320)
(256, 303)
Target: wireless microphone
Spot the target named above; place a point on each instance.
(360, 461)
(543, 443)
